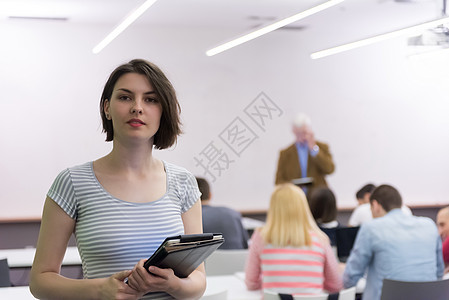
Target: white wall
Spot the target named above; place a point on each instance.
(384, 116)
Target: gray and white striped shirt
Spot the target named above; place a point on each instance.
(112, 235)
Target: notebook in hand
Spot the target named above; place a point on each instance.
(302, 181)
(184, 253)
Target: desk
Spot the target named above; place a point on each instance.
(251, 224)
(16, 293)
(233, 284)
(23, 258)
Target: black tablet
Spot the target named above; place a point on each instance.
(184, 253)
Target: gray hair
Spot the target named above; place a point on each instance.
(302, 119)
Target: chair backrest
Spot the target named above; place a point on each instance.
(344, 240)
(395, 289)
(346, 294)
(226, 262)
(5, 281)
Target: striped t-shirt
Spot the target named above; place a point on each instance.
(292, 270)
(112, 235)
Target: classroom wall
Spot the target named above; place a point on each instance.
(383, 115)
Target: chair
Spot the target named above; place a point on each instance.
(344, 240)
(346, 294)
(226, 262)
(395, 289)
(5, 281)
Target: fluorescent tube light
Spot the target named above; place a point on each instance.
(409, 31)
(123, 25)
(264, 30)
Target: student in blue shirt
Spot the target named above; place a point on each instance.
(394, 245)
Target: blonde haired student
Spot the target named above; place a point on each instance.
(290, 254)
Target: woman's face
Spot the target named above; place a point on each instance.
(134, 108)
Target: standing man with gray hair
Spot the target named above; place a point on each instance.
(306, 158)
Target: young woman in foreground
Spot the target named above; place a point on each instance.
(123, 205)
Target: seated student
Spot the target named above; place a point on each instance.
(362, 213)
(446, 258)
(290, 254)
(443, 230)
(323, 206)
(219, 219)
(394, 245)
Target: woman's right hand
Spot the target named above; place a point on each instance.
(115, 288)
(154, 279)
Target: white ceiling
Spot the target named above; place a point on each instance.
(210, 13)
(369, 17)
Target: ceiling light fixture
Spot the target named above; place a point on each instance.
(409, 31)
(123, 25)
(264, 30)
(38, 18)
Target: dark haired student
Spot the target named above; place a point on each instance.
(123, 205)
(222, 219)
(323, 205)
(394, 245)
